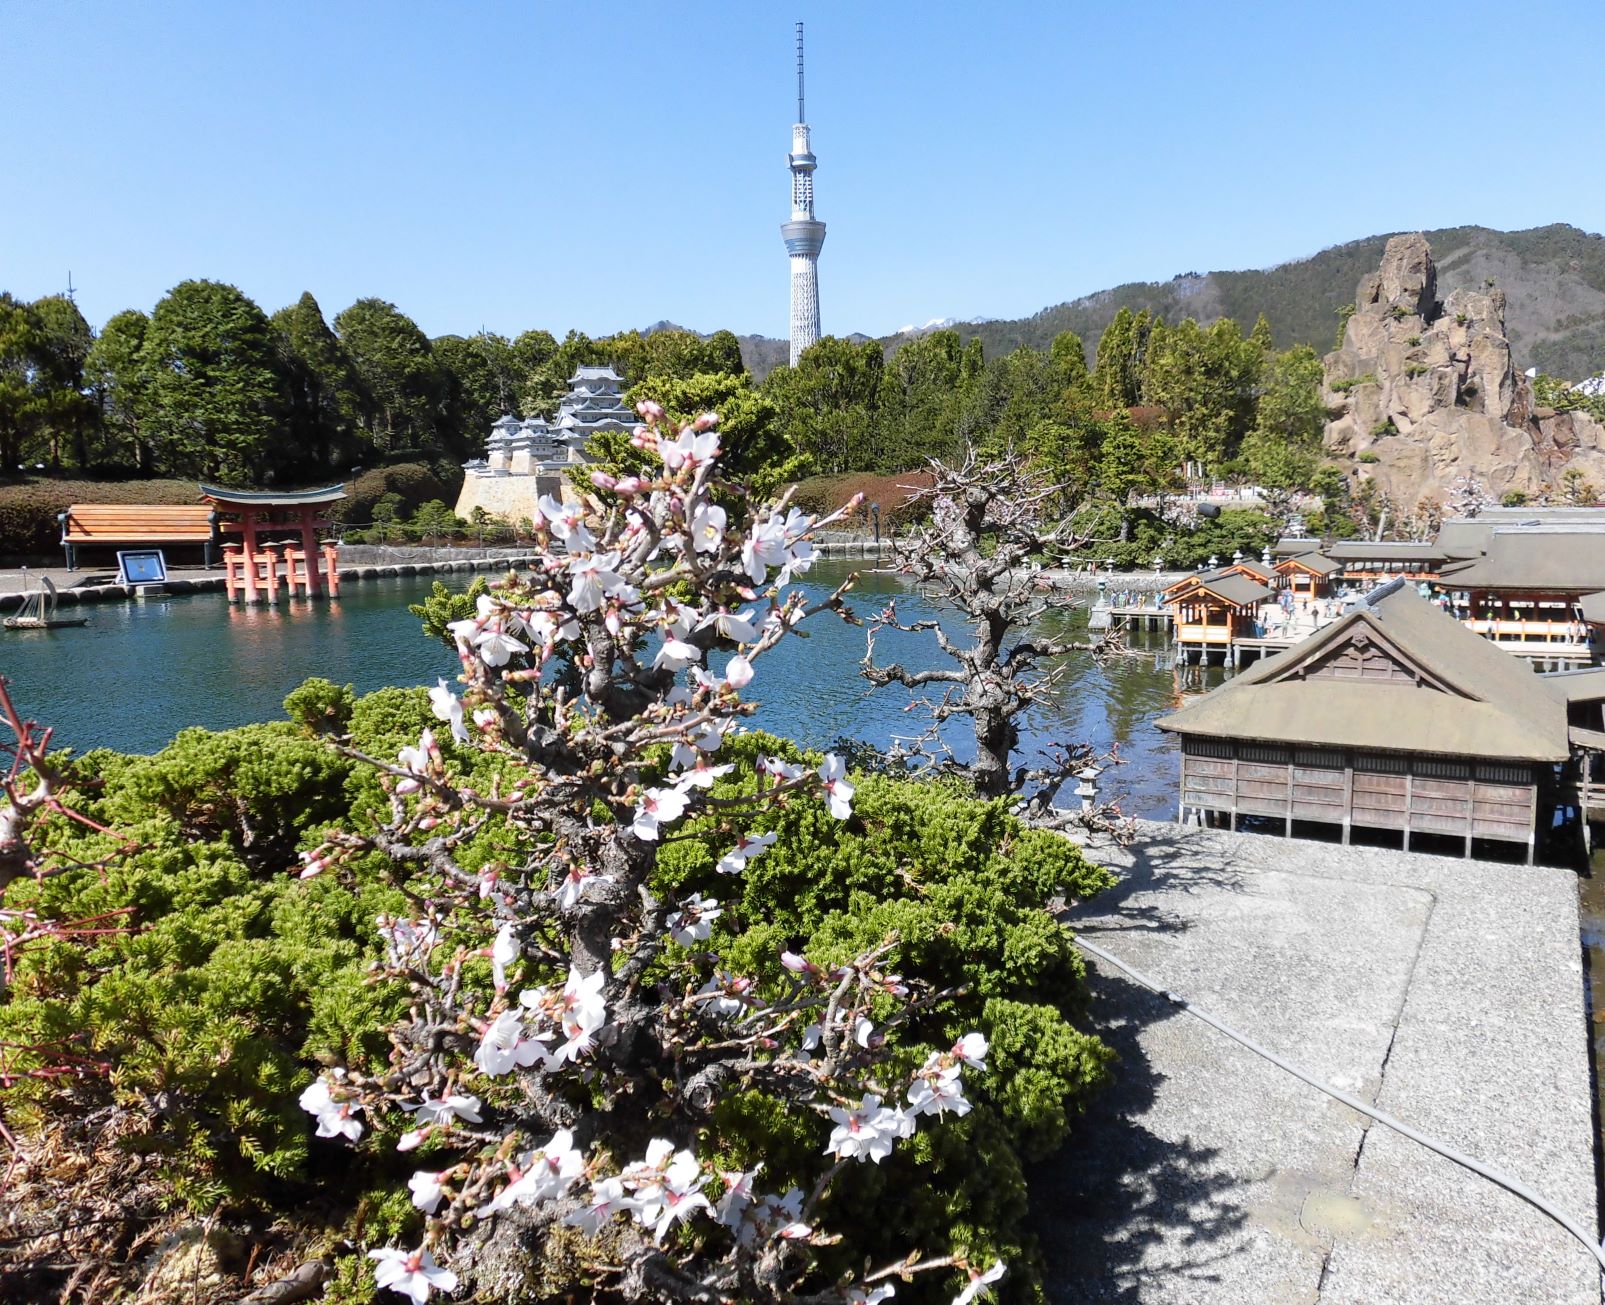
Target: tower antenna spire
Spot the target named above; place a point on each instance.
(805, 233)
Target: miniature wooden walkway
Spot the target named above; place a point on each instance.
(1141, 617)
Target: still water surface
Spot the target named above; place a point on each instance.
(140, 672)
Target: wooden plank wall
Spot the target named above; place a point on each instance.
(1414, 794)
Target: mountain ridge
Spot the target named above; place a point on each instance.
(1553, 278)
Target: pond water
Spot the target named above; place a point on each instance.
(139, 672)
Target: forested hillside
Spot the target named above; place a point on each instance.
(1553, 278)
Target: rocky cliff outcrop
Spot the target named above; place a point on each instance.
(1423, 394)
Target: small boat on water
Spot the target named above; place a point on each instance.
(38, 611)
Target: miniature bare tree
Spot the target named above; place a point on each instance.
(990, 534)
(574, 1028)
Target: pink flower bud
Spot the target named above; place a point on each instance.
(602, 480)
(707, 421)
(629, 486)
(649, 410)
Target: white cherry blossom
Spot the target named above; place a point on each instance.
(593, 575)
(782, 770)
(426, 1190)
(584, 1008)
(666, 1187)
(693, 922)
(971, 1049)
(735, 861)
(503, 952)
(700, 774)
(454, 1105)
(737, 627)
(738, 672)
(867, 1132)
(542, 1175)
(412, 1273)
(730, 994)
(690, 448)
(980, 1284)
(707, 527)
(567, 522)
(336, 1117)
(676, 655)
(936, 1093)
(507, 1045)
(496, 646)
(448, 707)
(608, 1198)
(838, 792)
(658, 806)
(415, 761)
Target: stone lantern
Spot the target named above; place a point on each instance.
(1087, 788)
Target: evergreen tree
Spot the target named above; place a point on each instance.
(120, 383)
(1205, 381)
(548, 382)
(531, 351)
(1117, 374)
(1069, 356)
(217, 396)
(724, 353)
(481, 380)
(65, 409)
(920, 400)
(402, 386)
(325, 396)
(21, 338)
(828, 403)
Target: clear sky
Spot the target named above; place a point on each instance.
(606, 165)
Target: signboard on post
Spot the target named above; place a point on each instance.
(141, 567)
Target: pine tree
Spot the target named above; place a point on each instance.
(218, 398)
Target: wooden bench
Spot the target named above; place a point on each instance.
(134, 524)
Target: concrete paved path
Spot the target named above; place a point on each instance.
(1449, 993)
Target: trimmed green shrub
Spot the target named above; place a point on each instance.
(28, 525)
(411, 483)
(236, 979)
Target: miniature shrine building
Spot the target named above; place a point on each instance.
(271, 541)
(1395, 717)
(1367, 563)
(1308, 575)
(1525, 591)
(1215, 611)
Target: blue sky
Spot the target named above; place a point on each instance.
(606, 165)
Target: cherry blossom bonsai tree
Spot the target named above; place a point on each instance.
(575, 1038)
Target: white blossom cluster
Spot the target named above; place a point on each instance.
(594, 680)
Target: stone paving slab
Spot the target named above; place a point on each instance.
(1448, 992)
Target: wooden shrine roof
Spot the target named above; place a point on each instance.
(1313, 563)
(1547, 561)
(1391, 550)
(1469, 698)
(1238, 590)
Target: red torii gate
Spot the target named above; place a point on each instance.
(251, 569)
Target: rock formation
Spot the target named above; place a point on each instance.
(1423, 394)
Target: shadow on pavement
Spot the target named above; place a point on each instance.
(1119, 1207)
(1163, 856)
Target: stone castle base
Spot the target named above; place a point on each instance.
(511, 498)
